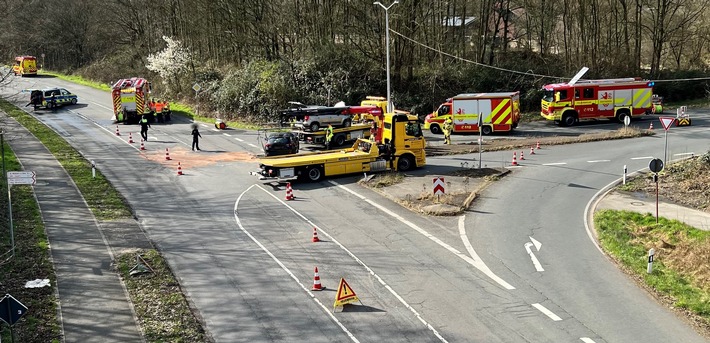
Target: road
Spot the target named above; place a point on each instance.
(245, 259)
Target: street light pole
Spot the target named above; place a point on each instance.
(387, 43)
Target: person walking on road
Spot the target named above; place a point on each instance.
(195, 137)
(448, 126)
(144, 127)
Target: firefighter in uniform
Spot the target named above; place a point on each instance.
(159, 105)
(144, 127)
(328, 136)
(448, 126)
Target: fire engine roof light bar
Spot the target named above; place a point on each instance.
(579, 75)
(387, 38)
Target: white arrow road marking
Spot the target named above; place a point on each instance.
(587, 340)
(547, 312)
(537, 244)
(537, 264)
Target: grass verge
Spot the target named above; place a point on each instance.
(165, 315)
(680, 277)
(32, 261)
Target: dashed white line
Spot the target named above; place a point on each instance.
(215, 130)
(226, 134)
(547, 312)
(685, 154)
(239, 139)
(250, 144)
(597, 161)
(587, 340)
(642, 158)
(554, 164)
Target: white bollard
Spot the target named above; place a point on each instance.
(625, 174)
(93, 169)
(650, 261)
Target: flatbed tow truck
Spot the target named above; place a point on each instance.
(401, 149)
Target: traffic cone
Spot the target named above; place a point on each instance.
(315, 235)
(142, 145)
(538, 145)
(522, 157)
(130, 138)
(515, 160)
(289, 192)
(532, 150)
(117, 132)
(167, 155)
(316, 282)
(650, 127)
(179, 169)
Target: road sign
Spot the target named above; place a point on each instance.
(11, 310)
(439, 186)
(666, 122)
(196, 87)
(21, 174)
(656, 165)
(345, 294)
(21, 178)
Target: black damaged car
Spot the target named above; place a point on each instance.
(281, 143)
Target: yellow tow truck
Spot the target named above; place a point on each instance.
(401, 149)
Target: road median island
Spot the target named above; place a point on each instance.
(415, 192)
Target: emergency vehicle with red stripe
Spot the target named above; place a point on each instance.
(130, 100)
(566, 103)
(498, 112)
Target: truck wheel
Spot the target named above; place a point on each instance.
(405, 163)
(347, 123)
(568, 120)
(486, 130)
(435, 129)
(314, 127)
(339, 140)
(621, 115)
(315, 174)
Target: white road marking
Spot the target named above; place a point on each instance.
(547, 312)
(310, 293)
(537, 244)
(253, 145)
(332, 239)
(554, 164)
(102, 106)
(535, 262)
(239, 139)
(226, 134)
(597, 161)
(642, 158)
(477, 263)
(685, 154)
(587, 340)
(215, 130)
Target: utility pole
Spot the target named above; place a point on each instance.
(387, 43)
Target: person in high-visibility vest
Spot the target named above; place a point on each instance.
(144, 127)
(328, 136)
(159, 105)
(448, 126)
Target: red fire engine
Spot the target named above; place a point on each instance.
(566, 104)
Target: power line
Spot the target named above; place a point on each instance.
(516, 71)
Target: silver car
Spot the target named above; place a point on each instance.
(313, 118)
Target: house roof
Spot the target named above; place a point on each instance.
(457, 21)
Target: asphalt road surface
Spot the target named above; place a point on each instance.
(245, 258)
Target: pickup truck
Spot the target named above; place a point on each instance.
(401, 149)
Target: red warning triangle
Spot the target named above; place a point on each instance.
(345, 294)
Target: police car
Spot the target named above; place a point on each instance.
(51, 97)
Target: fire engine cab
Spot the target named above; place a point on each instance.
(566, 103)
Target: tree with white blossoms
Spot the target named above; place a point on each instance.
(170, 63)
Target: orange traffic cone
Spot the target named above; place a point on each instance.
(179, 169)
(522, 157)
(316, 282)
(515, 160)
(315, 235)
(289, 192)
(650, 127)
(167, 155)
(538, 145)
(142, 146)
(532, 150)
(130, 138)
(117, 132)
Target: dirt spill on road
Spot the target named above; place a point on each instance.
(188, 158)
